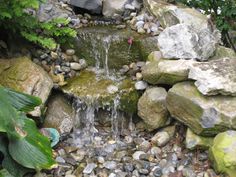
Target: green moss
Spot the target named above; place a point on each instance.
(88, 86)
(222, 153)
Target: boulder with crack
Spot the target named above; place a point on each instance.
(215, 77)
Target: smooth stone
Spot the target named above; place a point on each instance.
(152, 108)
(83, 63)
(137, 154)
(141, 85)
(161, 138)
(89, 168)
(111, 165)
(59, 114)
(143, 171)
(101, 160)
(60, 159)
(75, 66)
(128, 167)
(70, 52)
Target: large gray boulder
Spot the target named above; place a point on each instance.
(152, 108)
(166, 71)
(112, 7)
(21, 74)
(170, 14)
(215, 77)
(52, 9)
(94, 6)
(205, 115)
(60, 114)
(185, 41)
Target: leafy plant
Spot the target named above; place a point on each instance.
(15, 17)
(22, 145)
(223, 13)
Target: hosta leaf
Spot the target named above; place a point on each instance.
(5, 173)
(8, 163)
(20, 101)
(32, 151)
(9, 118)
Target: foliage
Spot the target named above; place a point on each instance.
(223, 13)
(16, 17)
(22, 145)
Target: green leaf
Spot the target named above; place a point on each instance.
(22, 102)
(8, 163)
(5, 173)
(32, 151)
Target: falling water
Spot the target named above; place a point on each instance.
(84, 128)
(107, 43)
(85, 117)
(115, 118)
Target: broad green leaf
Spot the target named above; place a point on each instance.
(5, 173)
(9, 118)
(20, 101)
(32, 151)
(8, 163)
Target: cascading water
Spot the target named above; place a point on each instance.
(85, 131)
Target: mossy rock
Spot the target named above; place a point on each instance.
(223, 52)
(21, 74)
(223, 153)
(93, 41)
(194, 141)
(206, 116)
(90, 87)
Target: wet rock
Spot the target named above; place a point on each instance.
(111, 165)
(128, 167)
(94, 6)
(110, 8)
(166, 71)
(144, 146)
(194, 141)
(215, 77)
(143, 171)
(137, 154)
(157, 172)
(89, 168)
(60, 160)
(141, 85)
(21, 74)
(204, 115)
(184, 41)
(152, 107)
(222, 153)
(120, 52)
(59, 114)
(155, 56)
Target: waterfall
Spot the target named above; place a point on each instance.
(84, 130)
